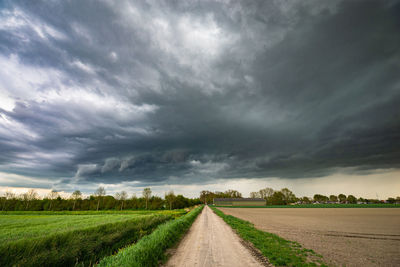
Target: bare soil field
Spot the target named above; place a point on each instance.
(345, 237)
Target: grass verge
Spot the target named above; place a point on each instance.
(279, 251)
(81, 247)
(150, 250)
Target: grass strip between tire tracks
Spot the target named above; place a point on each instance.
(80, 247)
(279, 251)
(150, 250)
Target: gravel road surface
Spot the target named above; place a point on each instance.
(211, 242)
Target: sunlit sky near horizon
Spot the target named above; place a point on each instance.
(193, 95)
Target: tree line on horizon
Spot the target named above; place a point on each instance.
(208, 196)
(99, 200)
(287, 197)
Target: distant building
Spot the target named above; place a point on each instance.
(239, 201)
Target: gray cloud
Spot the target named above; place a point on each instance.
(154, 91)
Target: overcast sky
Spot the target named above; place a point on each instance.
(200, 94)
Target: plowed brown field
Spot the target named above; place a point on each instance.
(347, 236)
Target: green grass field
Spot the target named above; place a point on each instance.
(320, 206)
(72, 238)
(26, 225)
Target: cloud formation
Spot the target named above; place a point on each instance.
(190, 91)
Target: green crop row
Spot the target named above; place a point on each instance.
(279, 251)
(150, 250)
(81, 247)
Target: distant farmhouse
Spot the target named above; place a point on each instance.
(239, 202)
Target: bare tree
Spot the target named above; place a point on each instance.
(29, 196)
(147, 195)
(233, 193)
(75, 196)
(52, 196)
(266, 192)
(255, 194)
(121, 197)
(117, 197)
(170, 198)
(100, 192)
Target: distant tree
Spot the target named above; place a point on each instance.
(288, 196)
(391, 200)
(28, 197)
(133, 202)
(373, 201)
(233, 194)
(147, 195)
(181, 202)
(52, 196)
(29, 201)
(266, 192)
(333, 198)
(207, 196)
(75, 196)
(351, 199)
(122, 196)
(7, 196)
(117, 197)
(156, 203)
(277, 198)
(170, 198)
(99, 193)
(305, 200)
(397, 200)
(255, 195)
(342, 198)
(320, 198)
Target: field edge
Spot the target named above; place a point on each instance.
(150, 250)
(278, 251)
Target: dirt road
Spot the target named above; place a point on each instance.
(211, 242)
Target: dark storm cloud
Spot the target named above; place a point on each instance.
(191, 91)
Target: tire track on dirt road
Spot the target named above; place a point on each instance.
(211, 242)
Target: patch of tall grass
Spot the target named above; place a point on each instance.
(279, 251)
(81, 247)
(150, 250)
